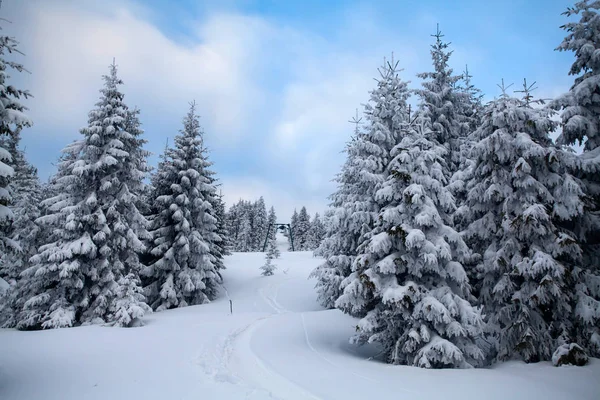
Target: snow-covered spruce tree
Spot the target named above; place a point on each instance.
(315, 233)
(183, 272)
(385, 113)
(269, 268)
(327, 231)
(471, 106)
(580, 105)
(12, 120)
(234, 221)
(293, 236)
(470, 109)
(342, 235)
(408, 278)
(100, 231)
(272, 220)
(519, 194)
(364, 171)
(251, 236)
(580, 113)
(260, 220)
(245, 235)
(222, 228)
(133, 126)
(239, 225)
(218, 244)
(58, 199)
(26, 194)
(301, 231)
(442, 102)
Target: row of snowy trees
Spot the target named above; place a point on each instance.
(462, 234)
(97, 244)
(307, 234)
(247, 224)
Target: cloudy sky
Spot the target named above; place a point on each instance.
(276, 81)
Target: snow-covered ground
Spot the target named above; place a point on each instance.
(277, 344)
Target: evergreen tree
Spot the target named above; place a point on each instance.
(234, 221)
(222, 227)
(12, 120)
(26, 198)
(293, 236)
(327, 232)
(442, 102)
(58, 195)
(268, 268)
(245, 235)
(272, 220)
(240, 221)
(529, 262)
(301, 231)
(99, 232)
(184, 271)
(355, 205)
(580, 114)
(342, 235)
(219, 245)
(315, 233)
(581, 106)
(260, 220)
(251, 235)
(471, 106)
(142, 169)
(408, 279)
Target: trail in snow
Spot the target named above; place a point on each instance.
(245, 363)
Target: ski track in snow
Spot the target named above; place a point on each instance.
(238, 362)
(327, 360)
(264, 380)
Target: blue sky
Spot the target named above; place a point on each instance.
(276, 81)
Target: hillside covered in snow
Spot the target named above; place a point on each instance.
(278, 344)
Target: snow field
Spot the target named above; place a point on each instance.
(277, 344)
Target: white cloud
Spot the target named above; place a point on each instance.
(70, 46)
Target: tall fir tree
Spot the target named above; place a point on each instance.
(269, 268)
(407, 279)
(251, 234)
(301, 232)
(365, 170)
(342, 234)
(222, 227)
(12, 120)
(260, 224)
(26, 193)
(327, 223)
(521, 191)
(272, 220)
(293, 233)
(316, 232)
(442, 101)
(471, 106)
(58, 196)
(233, 222)
(580, 123)
(244, 240)
(184, 272)
(219, 246)
(79, 275)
